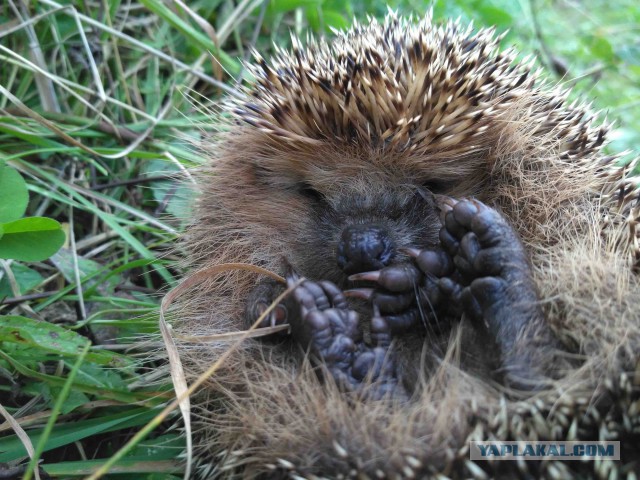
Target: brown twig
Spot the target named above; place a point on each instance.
(27, 298)
(133, 181)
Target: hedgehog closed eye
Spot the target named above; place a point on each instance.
(309, 192)
(438, 186)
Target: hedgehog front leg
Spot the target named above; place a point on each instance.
(491, 280)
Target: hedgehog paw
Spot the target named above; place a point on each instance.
(406, 294)
(494, 278)
(329, 328)
(492, 283)
(260, 299)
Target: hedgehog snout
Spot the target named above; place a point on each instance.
(364, 247)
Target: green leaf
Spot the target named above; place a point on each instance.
(51, 338)
(74, 400)
(102, 377)
(56, 381)
(11, 447)
(601, 48)
(491, 15)
(63, 260)
(164, 447)
(177, 192)
(31, 239)
(26, 278)
(281, 6)
(31, 138)
(334, 19)
(138, 469)
(193, 34)
(14, 196)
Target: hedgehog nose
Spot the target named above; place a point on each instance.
(363, 248)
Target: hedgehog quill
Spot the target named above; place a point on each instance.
(468, 253)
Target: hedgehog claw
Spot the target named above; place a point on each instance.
(363, 293)
(445, 204)
(366, 276)
(260, 299)
(410, 252)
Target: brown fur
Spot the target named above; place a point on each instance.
(520, 148)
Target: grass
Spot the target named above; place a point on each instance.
(95, 109)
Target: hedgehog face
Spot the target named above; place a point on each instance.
(361, 230)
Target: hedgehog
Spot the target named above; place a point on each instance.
(460, 257)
